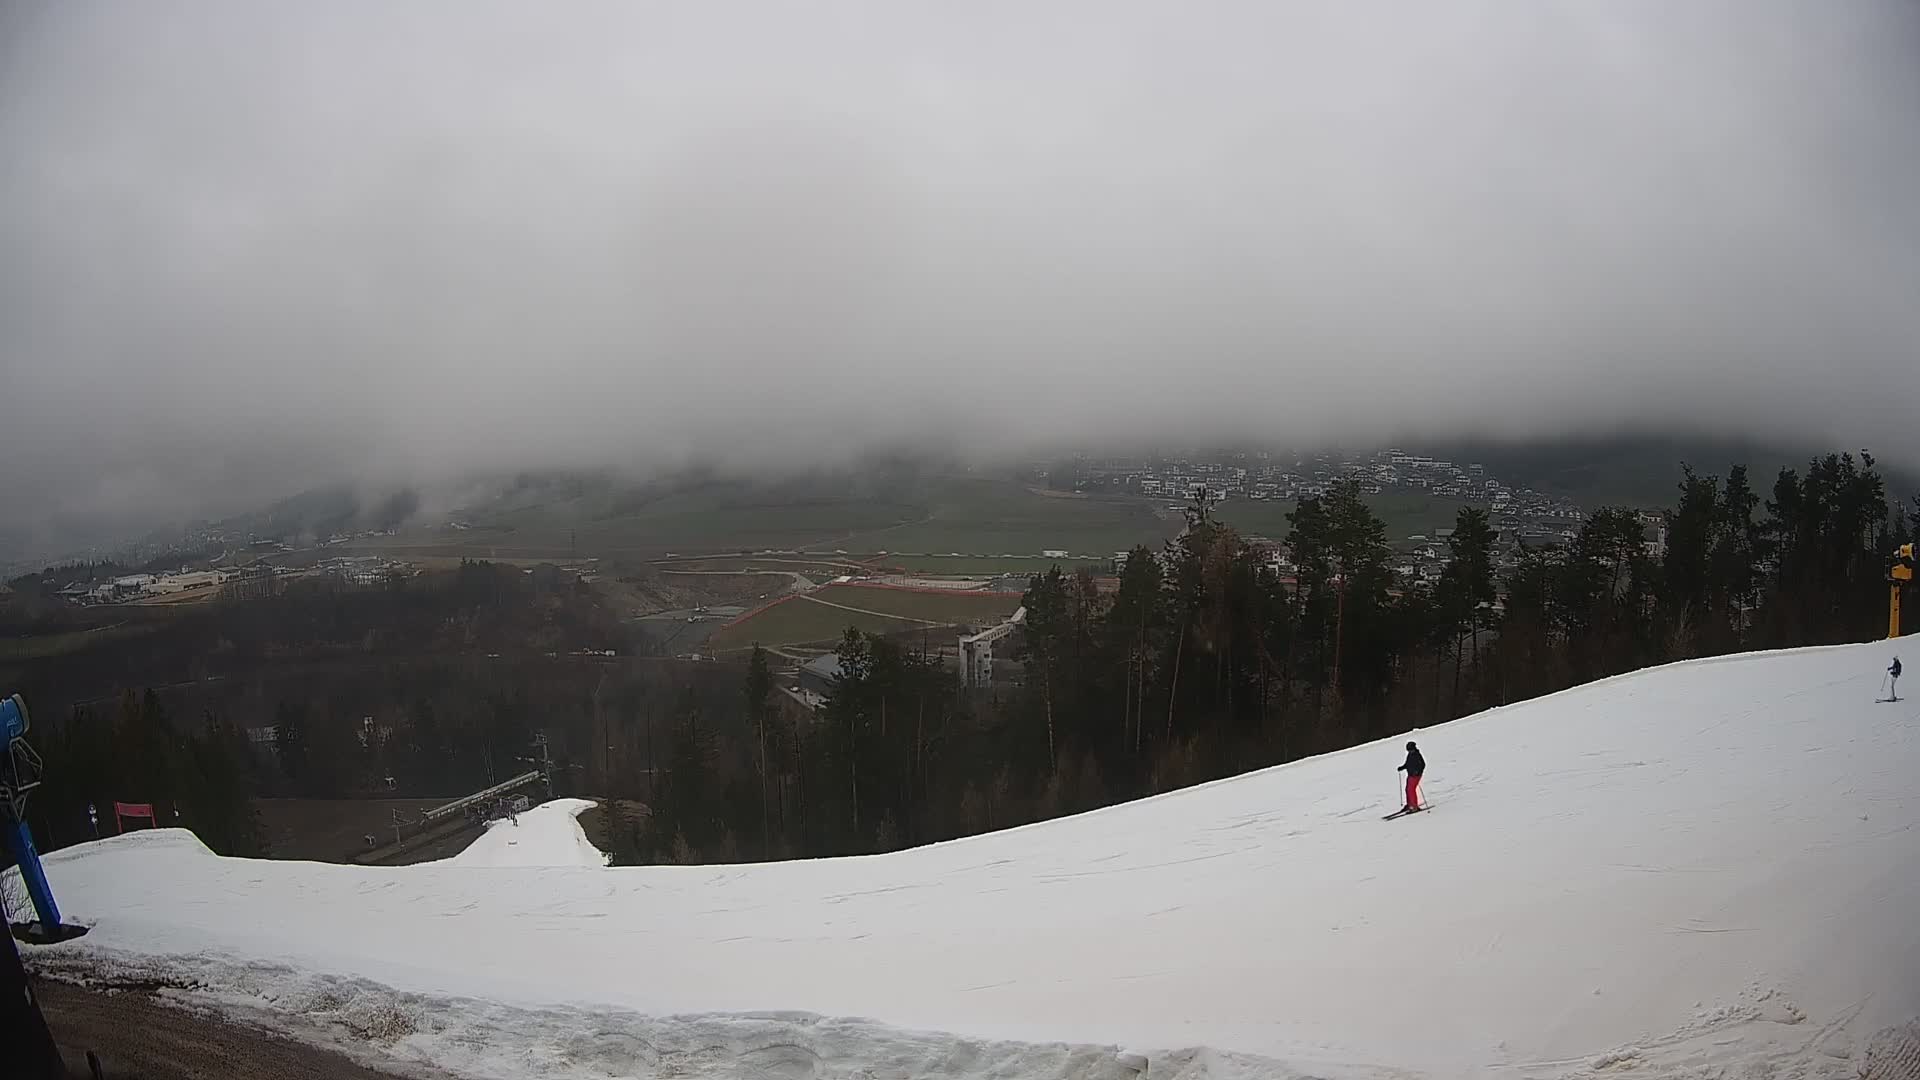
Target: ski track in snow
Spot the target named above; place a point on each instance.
(1705, 870)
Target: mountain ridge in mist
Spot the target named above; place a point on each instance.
(251, 249)
(561, 509)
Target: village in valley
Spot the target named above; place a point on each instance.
(1272, 483)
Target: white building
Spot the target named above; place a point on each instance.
(184, 582)
(976, 650)
(131, 585)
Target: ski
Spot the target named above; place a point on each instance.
(1403, 812)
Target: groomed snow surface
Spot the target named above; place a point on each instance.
(547, 835)
(1709, 869)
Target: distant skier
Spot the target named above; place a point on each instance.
(1415, 767)
(1893, 680)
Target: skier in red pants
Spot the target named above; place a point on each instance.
(1415, 767)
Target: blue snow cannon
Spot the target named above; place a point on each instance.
(15, 721)
(19, 775)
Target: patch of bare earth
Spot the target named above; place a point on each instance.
(138, 1037)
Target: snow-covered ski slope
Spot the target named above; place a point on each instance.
(548, 835)
(1707, 869)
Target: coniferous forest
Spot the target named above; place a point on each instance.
(1199, 660)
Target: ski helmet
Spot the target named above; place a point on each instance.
(1410, 744)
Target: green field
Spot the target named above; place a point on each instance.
(997, 518)
(723, 519)
(922, 516)
(954, 524)
(973, 565)
(796, 622)
(800, 621)
(42, 646)
(927, 606)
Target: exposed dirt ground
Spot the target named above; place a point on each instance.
(139, 1038)
(332, 830)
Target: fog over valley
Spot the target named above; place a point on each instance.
(250, 249)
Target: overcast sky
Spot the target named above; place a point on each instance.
(250, 246)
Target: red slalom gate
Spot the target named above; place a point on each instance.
(124, 812)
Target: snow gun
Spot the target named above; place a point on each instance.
(19, 775)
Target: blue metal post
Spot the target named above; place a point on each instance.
(20, 841)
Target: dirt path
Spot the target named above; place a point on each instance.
(797, 582)
(684, 560)
(139, 1038)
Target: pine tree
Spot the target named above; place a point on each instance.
(1048, 629)
(218, 804)
(1467, 590)
(1136, 626)
(290, 740)
(688, 802)
(848, 710)
(759, 692)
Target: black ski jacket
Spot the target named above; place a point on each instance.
(1894, 668)
(1415, 766)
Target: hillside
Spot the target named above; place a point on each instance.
(1707, 869)
(1644, 470)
